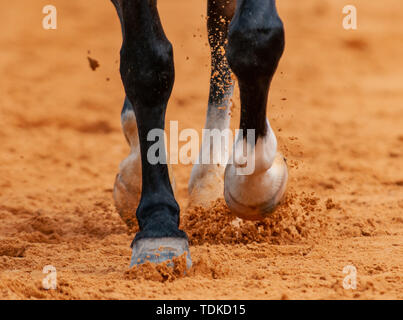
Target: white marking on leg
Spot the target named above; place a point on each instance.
(207, 178)
(255, 195)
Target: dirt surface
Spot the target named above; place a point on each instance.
(335, 104)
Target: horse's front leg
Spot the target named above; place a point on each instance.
(147, 72)
(255, 183)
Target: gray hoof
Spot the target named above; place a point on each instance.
(158, 250)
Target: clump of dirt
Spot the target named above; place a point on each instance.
(297, 218)
(12, 248)
(205, 266)
(94, 64)
(167, 271)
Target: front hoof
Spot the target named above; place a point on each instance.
(159, 250)
(256, 196)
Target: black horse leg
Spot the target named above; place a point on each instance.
(147, 72)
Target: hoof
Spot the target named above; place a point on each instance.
(159, 250)
(206, 185)
(257, 196)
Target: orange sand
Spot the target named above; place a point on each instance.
(335, 104)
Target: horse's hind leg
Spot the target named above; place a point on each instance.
(127, 189)
(147, 72)
(255, 45)
(207, 178)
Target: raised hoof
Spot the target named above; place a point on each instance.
(256, 197)
(159, 250)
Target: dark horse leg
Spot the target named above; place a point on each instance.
(207, 178)
(147, 71)
(255, 184)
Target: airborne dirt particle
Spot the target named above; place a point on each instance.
(94, 64)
